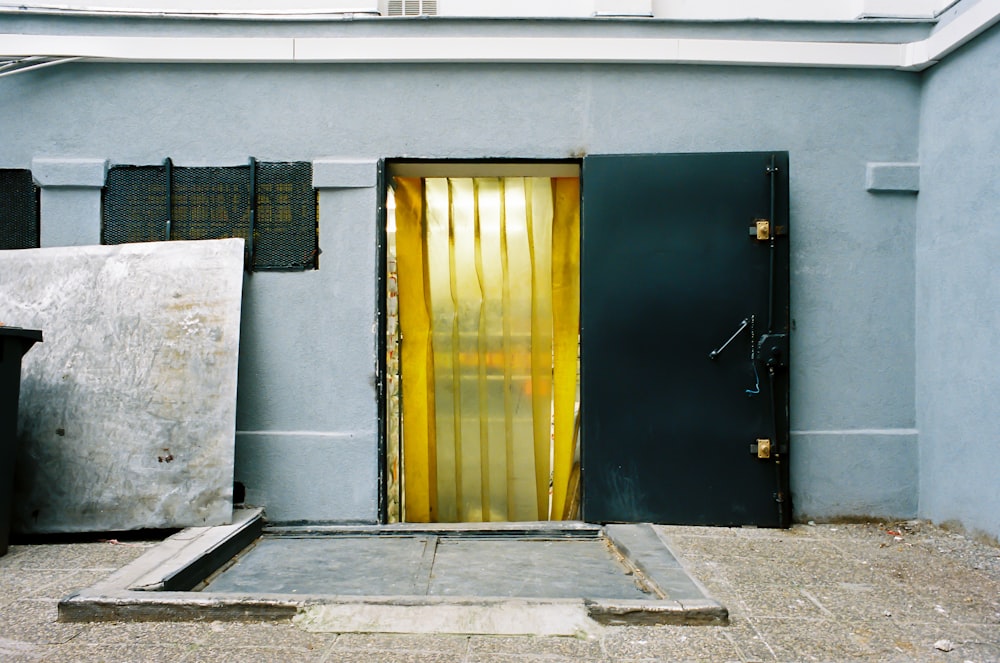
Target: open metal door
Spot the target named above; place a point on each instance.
(684, 339)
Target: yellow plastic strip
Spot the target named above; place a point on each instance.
(415, 353)
(566, 329)
(489, 315)
(444, 336)
(469, 302)
(491, 337)
(539, 213)
(522, 500)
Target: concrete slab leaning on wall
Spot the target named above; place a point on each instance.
(128, 408)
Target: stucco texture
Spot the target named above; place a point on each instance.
(307, 366)
(958, 289)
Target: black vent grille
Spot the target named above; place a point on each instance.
(272, 205)
(18, 210)
(286, 217)
(135, 205)
(210, 203)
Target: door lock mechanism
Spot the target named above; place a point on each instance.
(763, 228)
(772, 350)
(761, 448)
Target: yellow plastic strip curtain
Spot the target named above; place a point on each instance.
(482, 322)
(566, 327)
(416, 354)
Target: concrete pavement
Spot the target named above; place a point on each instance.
(827, 592)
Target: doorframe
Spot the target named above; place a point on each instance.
(430, 167)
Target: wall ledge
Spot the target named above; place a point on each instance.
(892, 177)
(65, 172)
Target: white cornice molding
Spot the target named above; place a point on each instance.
(683, 10)
(917, 55)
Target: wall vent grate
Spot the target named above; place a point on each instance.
(272, 204)
(412, 8)
(18, 210)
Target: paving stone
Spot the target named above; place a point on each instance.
(339, 656)
(16, 650)
(98, 555)
(784, 602)
(71, 581)
(111, 633)
(747, 641)
(573, 648)
(814, 640)
(231, 653)
(449, 644)
(16, 584)
(479, 657)
(34, 621)
(261, 634)
(670, 643)
(95, 653)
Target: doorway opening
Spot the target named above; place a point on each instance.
(482, 303)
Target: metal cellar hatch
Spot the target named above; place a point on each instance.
(371, 578)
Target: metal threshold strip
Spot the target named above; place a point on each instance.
(511, 578)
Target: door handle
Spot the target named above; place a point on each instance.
(715, 353)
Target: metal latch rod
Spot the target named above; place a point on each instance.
(715, 353)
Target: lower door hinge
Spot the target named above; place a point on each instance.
(762, 230)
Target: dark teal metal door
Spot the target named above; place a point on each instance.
(684, 339)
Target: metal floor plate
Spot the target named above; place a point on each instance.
(433, 565)
(531, 578)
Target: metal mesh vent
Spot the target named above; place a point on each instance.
(210, 203)
(215, 203)
(18, 210)
(286, 236)
(135, 205)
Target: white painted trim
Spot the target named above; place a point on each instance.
(916, 9)
(576, 50)
(456, 49)
(686, 10)
(949, 36)
(340, 435)
(151, 49)
(860, 431)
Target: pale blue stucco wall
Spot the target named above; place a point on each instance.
(958, 289)
(307, 411)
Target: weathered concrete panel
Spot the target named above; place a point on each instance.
(128, 409)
